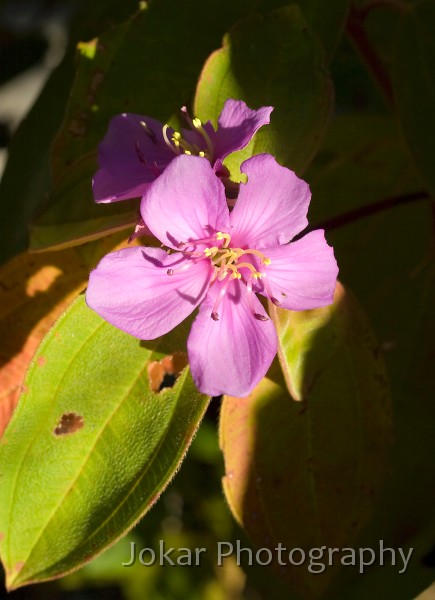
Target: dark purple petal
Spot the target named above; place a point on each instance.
(132, 290)
(231, 355)
(237, 125)
(186, 203)
(130, 156)
(271, 207)
(302, 275)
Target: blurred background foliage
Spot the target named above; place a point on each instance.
(371, 167)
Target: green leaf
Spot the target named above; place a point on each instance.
(271, 60)
(387, 259)
(75, 217)
(326, 19)
(91, 446)
(148, 65)
(306, 474)
(27, 177)
(414, 84)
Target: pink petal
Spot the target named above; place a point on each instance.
(231, 355)
(237, 125)
(187, 202)
(130, 157)
(305, 271)
(272, 207)
(132, 290)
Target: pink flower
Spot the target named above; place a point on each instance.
(137, 149)
(221, 260)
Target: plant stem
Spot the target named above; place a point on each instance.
(358, 36)
(365, 211)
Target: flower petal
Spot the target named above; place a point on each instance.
(130, 157)
(302, 274)
(231, 355)
(237, 125)
(187, 202)
(132, 290)
(271, 207)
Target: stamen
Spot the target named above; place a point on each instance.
(269, 290)
(150, 133)
(214, 313)
(155, 169)
(173, 147)
(198, 125)
(184, 267)
(250, 301)
(260, 317)
(264, 259)
(224, 236)
(139, 153)
(251, 267)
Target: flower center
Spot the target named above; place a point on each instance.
(180, 145)
(229, 263)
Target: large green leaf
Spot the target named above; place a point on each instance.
(414, 84)
(271, 60)
(91, 446)
(306, 473)
(148, 65)
(326, 19)
(27, 178)
(82, 218)
(387, 259)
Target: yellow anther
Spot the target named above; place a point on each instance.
(224, 236)
(211, 251)
(236, 275)
(266, 261)
(202, 154)
(197, 123)
(188, 152)
(176, 135)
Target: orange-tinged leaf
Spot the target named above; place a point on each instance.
(34, 290)
(306, 474)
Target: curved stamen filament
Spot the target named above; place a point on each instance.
(214, 313)
(256, 274)
(251, 302)
(150, 133)
(198, 125)
(224, 236)
(269, 290)
(174, 147)
(264, 259)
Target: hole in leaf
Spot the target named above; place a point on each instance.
(164, 374)
(69, 423)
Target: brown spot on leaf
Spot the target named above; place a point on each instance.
(69, 423)
(164, 374)
(41, 361)
(18, 566)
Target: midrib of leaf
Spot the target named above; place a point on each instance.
(40, 428)
(142, 475)
(92, 448)
(310, 475)
(359, 407)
